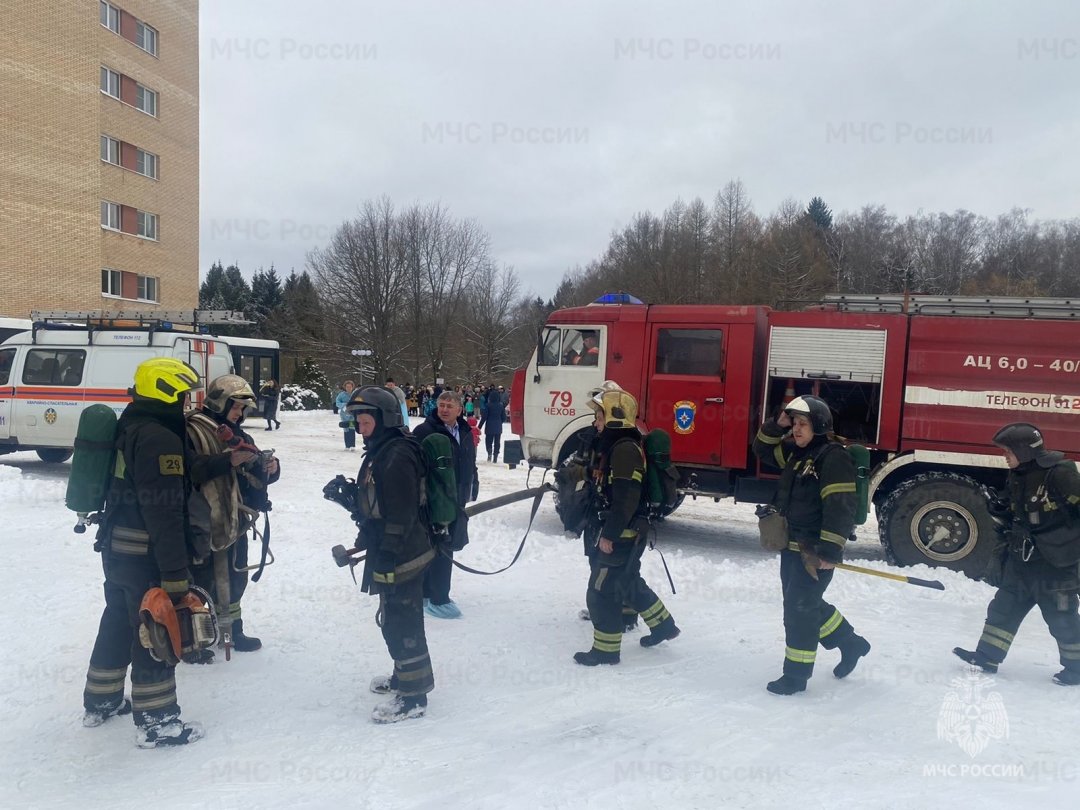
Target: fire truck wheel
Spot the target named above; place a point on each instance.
(54, 455)
(938, 519)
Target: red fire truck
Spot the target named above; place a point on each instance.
(924, 382)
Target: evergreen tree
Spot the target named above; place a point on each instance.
(237, 291)
(819, 214)
(309, 375)
(267, 299)
(212, 290)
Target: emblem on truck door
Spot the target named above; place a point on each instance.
(685, 411)
(50, 416)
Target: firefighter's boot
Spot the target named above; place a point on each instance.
(595, 657)
(665, 631)
(850, 653)
(400, 707)
(99, 714)
(242, 643)
(977, 658)
(1068, 677)
(164, 729)
(383, 684)
(787, 685)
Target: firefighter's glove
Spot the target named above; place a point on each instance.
(343, 491)
(239, 458)
(176, 584)
(995, 565)
(812, 562)
(459, 533)
(1000, 509)
(383, 571)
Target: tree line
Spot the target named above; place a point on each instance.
(726, 253)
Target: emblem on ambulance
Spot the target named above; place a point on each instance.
(50, 415)
(684, 416)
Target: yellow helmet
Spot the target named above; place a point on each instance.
(165, 379)
(620, 409)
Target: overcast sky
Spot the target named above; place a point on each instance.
(552, 123)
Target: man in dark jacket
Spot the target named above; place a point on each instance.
(1041, 555)
(816, 494)
(143, 544)
(448, 420)
(397, 546)
(618, 532)
(491, 422)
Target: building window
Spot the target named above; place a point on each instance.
(146, 163)
(146, 38)
(110, 82)
(129, 286)
(110, 150)
(110, 16)
(146, 100)
(147, 227)
(148, 288)
(110, 282)
(110, 215)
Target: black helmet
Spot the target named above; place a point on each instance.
(380, 402)
(1026, 443)
(814, 409)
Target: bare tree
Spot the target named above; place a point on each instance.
(450, 255)
(489, 323)
(361, 278)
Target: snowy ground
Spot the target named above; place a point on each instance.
(514, 723)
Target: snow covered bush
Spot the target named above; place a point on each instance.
(309, 390)
(297, 398)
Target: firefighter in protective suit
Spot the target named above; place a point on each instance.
(1041, 554)
(143, 545)
(227, 475)
(394, 535)
(588, 455)
(816, 495)
(618, 531)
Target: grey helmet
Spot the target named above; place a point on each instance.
(593, 400)
(1026, 443)
(813, 408)
(382, 403)
(227, 387)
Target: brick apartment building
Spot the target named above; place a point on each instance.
(99, 155)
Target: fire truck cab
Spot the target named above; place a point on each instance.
(923, 382)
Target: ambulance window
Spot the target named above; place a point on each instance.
(54, 367)
(692, 352)
(7, 360)
(549, 347)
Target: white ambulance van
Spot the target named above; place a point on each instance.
(69, 360)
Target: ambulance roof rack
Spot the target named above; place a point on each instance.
(150, 319)
(183, 317)
(991, 307)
